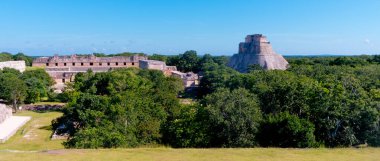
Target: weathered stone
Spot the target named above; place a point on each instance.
(5, 112)
(157, 65)
(257, 50)
(63, 68)
(189, 80)
(18, 65)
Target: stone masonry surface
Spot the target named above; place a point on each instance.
(257, 50)
(18, 65)
(63, 68)
(5, 113)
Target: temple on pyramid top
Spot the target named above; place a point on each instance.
(257, 50)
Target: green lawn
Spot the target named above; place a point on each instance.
(34, 68)
(32, 142)
(35, 135)
(168, 154)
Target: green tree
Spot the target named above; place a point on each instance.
(234, 118)
(158, 57)
(35, 90)
(376, 58)
(286, 130)
(4, 56)
(124, 108)
(11, 71)
(21, 56)
(39, 74)
(38, 85)
(215, 76)
(187, 128)
(187, 62)
(12, 89)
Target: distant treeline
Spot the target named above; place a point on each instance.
(4, 56)
(317, 102)
(31, 86)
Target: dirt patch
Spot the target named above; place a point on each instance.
(31, 134)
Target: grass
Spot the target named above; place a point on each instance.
(33, 68)
(168, 154)
(35, 135)
(39, 147)
(49, 103)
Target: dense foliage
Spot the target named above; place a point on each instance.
(30, 86)
(319, 101)
(277, 130)
(4, 56)
(121, 108)
(190, 61)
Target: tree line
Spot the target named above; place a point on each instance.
(31, 86)
(5, 56)
(322, 101)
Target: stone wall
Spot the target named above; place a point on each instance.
(18, 65)
(5, 112)
(152, 64)
(63, 68)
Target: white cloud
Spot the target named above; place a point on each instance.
(367, 41)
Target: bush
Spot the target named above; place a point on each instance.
(233, 118)
(286, 130)
(121, 108)
(187, 128)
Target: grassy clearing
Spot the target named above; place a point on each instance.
(33, 68)
(167, 154)
(49, 103)
(38, 146)
(35, 135)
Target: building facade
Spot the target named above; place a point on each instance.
(63, 68)
(188, 79)
(5, 112)
(157, 65)
(18, 65)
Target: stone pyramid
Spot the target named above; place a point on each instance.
(257, 50)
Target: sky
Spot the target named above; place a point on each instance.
(294, 27)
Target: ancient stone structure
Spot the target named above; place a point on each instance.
(189, 79)
(5, 113)
(18, 65)
(157, 65)
(63, 68)
(257, 50)
(10, 124)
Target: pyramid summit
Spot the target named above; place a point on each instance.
(257, 50)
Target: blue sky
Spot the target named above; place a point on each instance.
(47, 27)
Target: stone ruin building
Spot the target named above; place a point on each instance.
(157, 65)
(10, 124)
(188, 79)
(63, 68)
(257, 50)
(5, 113)
(18, 65)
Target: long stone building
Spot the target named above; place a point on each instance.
(63, 68)
(5, 113)
(189, 80)
(18, 65)
(257, 50)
